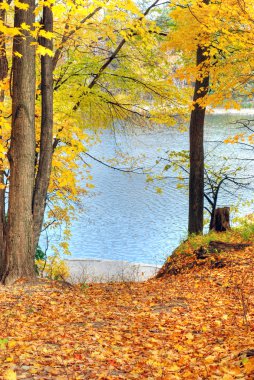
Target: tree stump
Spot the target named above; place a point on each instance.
(221, 219)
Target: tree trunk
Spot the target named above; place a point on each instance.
(46, 137)
(220, 220)
(19, 241)
(196, 133)
(3, 75)
(2, 220)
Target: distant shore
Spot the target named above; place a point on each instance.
(231, 111)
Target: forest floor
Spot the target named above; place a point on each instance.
(195, 324)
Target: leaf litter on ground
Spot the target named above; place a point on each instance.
(196, 325)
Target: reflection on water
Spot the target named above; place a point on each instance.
(126, 219)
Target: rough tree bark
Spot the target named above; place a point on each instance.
(220, 220)
(19, 240)
(196, 135)
(46, 136)
(3, 75)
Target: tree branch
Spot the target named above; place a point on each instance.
(135, 171)
(111, 58)
(68, 35)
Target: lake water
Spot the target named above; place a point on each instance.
(124, 218)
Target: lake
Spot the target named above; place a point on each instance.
(124, 218)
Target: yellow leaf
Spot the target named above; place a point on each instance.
(179, 348)
(189, 336)
(90, 186)
(21, 5)
(43, 51)
(210, 359)
(218, 349)
(12, 343)
(10, 375)
(9, 359)
(25, 26)
(17, 54)
(46, 34)
(173, 368)
(4, 6)
(227, 377)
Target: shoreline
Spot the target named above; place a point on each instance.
(230, 111)
(99, 270)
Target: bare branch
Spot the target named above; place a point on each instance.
(135, 171)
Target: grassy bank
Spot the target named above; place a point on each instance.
(198, 324)
(242, 234)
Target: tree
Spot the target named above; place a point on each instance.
(196, 138)
(43, 152)
(222, 176)
(193, 18)
(219, 36)
(19, 252)
(46, 134)
(3, 76)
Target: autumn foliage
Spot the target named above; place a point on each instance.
(194, 322)
(195, 325)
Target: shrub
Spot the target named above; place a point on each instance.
(52, 267)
